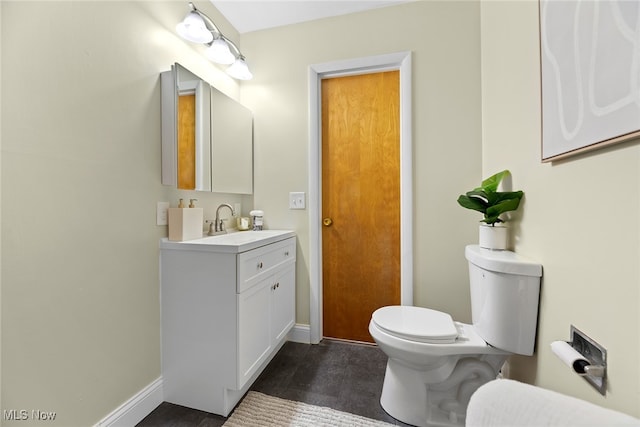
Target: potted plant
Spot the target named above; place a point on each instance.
(492, 203)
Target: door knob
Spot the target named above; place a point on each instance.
(327, 222)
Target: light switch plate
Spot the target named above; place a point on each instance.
(296, 200)
(161, 213)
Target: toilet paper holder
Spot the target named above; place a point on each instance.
(592, 366)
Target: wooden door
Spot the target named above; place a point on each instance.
(360, 201)
(186, 142)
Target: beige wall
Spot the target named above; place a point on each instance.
(580, 217)
(80, 182)
(443, 39)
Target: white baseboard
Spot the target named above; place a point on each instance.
(300, 333)
(135, 409)
(146, 400)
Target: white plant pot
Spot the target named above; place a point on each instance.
(493, 237)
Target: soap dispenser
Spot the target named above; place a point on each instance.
(185, 224)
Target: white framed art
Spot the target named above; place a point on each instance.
(590, 74)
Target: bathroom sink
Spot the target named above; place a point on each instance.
(239, 238)
(233, 242)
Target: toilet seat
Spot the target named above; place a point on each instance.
(416, 324)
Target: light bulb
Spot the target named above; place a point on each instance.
(239, 70)
(219, 52)
(193, 28)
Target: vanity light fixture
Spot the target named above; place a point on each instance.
(199, 28)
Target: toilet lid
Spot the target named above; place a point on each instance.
(416, 324)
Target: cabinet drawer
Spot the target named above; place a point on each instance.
(258, 263)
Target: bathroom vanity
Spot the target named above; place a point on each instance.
(227, 305)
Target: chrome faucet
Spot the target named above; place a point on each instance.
(219, 225)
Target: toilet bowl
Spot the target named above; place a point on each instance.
(419, 384)
(435, 363)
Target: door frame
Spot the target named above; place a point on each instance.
(394, 61)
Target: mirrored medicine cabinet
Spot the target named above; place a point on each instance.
(207, 137)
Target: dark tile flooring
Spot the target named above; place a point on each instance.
(343, 376)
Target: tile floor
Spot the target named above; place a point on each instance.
(343, 376)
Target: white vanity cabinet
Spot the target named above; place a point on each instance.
(227, 305)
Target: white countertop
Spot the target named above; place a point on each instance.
(234, 242)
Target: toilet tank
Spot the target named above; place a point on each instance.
(505, 290)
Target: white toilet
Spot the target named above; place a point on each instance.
(435, 363)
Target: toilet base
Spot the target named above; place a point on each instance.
(407, 397)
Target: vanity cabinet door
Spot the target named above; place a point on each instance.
(254, 338)
(283, 304)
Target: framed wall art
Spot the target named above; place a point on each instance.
(590, 74)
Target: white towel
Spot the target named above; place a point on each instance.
(511, 403)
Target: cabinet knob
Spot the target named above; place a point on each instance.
(260, 265)
(327, 222)
(286, 253)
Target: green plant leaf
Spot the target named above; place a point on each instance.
(472, 203)
(502, 207)
(495, 198)
(480, 196)
(491, 184)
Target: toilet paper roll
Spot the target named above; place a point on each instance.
(570, 356)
